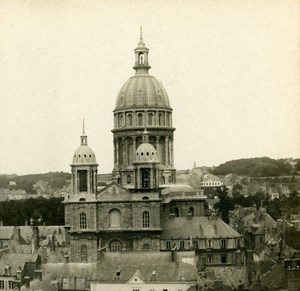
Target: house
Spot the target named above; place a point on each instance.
(211, 181)
(16, 269)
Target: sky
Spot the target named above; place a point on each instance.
(230, 67)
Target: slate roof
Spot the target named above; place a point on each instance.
(6, 232)
(14, 261)
(126, 264)
(209, 227)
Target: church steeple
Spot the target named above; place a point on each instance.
(141, 65)
(83, 137)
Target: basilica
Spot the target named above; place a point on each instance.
(143, 209)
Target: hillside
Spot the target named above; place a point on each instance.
(37, 183)
(257, 167)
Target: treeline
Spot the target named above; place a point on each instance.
(276, 207)
(257, 167)
(41, 210)
(55, 180)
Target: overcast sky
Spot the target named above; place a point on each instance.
(231, 70)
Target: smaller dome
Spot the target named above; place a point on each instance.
(84, 155)
(146, 153)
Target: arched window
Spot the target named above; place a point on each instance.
(150, 119)
(141, 58)
(146, 219)
(161, 120)
(146, 247)
(82, 220)
(176, 211)
(120, 120)
(129, 119)
(115, 246)
(83, 253)
(191, 211)
(114, 218)
(140, 119)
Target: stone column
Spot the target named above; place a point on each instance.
(133, 147)
(117, 152)
(125, 151)
(166, 150)
(88, 177)
(77, 182)
(95, 181)
(73, 181)
(172, 153)
(157, 149)
(156, 117)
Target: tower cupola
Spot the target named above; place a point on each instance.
(84, 168)
(141, 65)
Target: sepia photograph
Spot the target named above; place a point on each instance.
(149, 145)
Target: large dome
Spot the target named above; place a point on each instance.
(142, 90)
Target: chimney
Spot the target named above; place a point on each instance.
(66, 259)
(17, 233)
(19, 274)
(35, 239)
(27, 281)
(38, 274)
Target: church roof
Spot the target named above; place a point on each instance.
(124, 266)
(84, 155)
(142, 91)
(204, 227)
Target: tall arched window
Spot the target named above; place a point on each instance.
(83, 253)
(140, 119)
(191, 211)
(161, 119)
(129, 119)
(176, 211)
(120, 120)
(82, 220)
(141, 58)
(150, 119)
(115, 218)
(146, 247)
(146, 219)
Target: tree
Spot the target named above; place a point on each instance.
(225, 203)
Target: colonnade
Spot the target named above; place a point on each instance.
(163, 145)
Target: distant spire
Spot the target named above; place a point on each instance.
(83, 137)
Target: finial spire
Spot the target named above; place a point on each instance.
(83, 137)
(141, 33)
(145, 136)
(83, 128)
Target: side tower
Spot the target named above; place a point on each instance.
(142, 102)
(84, 168)
(80, 205)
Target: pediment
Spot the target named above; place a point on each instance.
(114, 191)
(137, 278)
